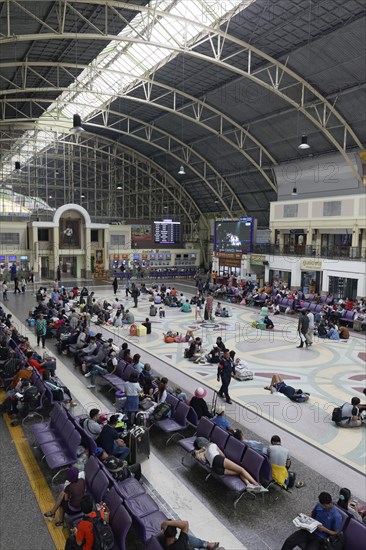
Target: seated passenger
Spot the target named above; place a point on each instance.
(332, 333)
(71, 495)
(128, 318)
(147, 324)
(278, 384)
(199, 404)
(179, 394)
(214, 355)
(153, 310)
(351, 414)
(219, 418)
(218, 310)
(344, 503)
(279, 458)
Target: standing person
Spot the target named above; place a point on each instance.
(331, 522)
(132, 391)
(225, 371)
(5, 292)
(23, 284)
(115, 285)
(41, 329)
(13, 272)
(303, 328)
(16, 285)
(135, 293)
(209, 307)
(31, 275)
(198, 308)
(58, 273)
(128, 285)
(310, 331)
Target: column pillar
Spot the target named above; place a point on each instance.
(87, 252)
(363, 243)
(106, 249)
(55, 251)
(309, 237)
(318, 243)
(355, 241)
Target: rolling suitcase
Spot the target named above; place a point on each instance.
(138, 441)
(242, 372)
(143, 418)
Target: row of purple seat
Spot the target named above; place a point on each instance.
(127, 497)
(237, 451)
(120, 376)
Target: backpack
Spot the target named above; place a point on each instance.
(162, 411)
(103, 534)
(31, 396)
(337, 414)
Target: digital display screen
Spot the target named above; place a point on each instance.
(24, 257)
(234, 236)
(12, 258)
(136, 256)
(2, 258)
(152, 256)
(167, 232)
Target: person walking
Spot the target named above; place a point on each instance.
(128, 285)
(303, 328)
(225, 371)
(115, 285)
(310, 331)
(16, 285)
(41, 329)
(135, 293)
(5, 292)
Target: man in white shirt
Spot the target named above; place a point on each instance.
(91, 424)
(310, 332)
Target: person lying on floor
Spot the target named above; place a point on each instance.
(185, 540)
(278, 384)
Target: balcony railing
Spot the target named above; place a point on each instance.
(334, 252)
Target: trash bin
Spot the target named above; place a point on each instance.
(120, 400)
(357, 325)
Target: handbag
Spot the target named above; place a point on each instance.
(334, 542)
(146, 404)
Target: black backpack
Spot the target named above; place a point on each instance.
(162, 411)
(337, 414)
(103, 534)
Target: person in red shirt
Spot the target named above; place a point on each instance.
(83, 535)
(32, 362)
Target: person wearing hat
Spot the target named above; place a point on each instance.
(117, 467)
(219, 418)
(70, 497)
(110, 440)
(185, 540)
(199, 404)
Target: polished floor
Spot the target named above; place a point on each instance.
(324, 457)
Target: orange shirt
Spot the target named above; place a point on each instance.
(24, 373)
(36, 365)
(85, 531)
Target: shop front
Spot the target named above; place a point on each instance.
(280, 278)
(311, 272)
(229, 264)
(343, 287)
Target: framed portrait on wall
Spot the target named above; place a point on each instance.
(99, 257)
(70, 233)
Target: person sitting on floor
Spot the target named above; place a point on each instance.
(69, 499)
(219, 418)
(351, 414)
(332, 333)
(343, 333)
(218, 309)
(186, 307)
(268, 322)
(199, 404)
(278, 384)
(214, 355)
(185, 540)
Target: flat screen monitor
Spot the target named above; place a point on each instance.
(2, 258)
(168, 256)
(152, 256)
(167, 232)
(136, 256)
(234, 235)
(12, 258)
(160, 256)
(178, 256)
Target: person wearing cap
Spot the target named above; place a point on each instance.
(70, 497)
(110, 440)
(185, 540)
(219, 418)
(199, 404)
(116, 466)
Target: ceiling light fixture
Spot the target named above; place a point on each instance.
(119, 186)
(17, 166)
(294, 191)
(82, 196)
(181, 172)
(304, 143)
(77, 127)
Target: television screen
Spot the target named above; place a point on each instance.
(160, 256)
(168, 256)
(193, 255)
(152, 256)
(2, 258)
(167, 232)
(12, 258)
(136, 256)
(234, 236)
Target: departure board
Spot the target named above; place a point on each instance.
(167, 232)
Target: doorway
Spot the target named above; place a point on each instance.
(68, 266)
(45, 267)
